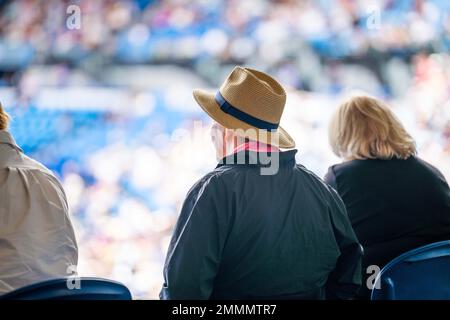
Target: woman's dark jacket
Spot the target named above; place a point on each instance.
(394, 205)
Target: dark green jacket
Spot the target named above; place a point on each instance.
(242, 234)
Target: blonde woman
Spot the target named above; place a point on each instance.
(395, 200)
(37, 241)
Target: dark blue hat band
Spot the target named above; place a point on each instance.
(226, 107)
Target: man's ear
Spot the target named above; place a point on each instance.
(228, 134)
(229, 139)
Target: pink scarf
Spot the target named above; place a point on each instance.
(256, 146)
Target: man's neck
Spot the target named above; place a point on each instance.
(255, 146)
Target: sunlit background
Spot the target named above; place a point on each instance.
(109, 108)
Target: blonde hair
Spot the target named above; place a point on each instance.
(4, 118)
(365, 128)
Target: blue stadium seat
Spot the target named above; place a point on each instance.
(419, 274)
(57, 289)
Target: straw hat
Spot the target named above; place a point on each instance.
(248, 99)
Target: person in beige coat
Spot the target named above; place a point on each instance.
(37, 240)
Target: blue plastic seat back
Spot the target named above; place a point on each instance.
(59, 289)
(419, 274)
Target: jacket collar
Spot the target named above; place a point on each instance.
(7, 138)
(248, 157)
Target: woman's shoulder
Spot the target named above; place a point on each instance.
(413, 165)
(427, 167)
(361, 170)
(349, 165)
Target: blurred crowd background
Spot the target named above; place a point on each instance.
(108, 107)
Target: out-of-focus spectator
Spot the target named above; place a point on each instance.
(37, 241)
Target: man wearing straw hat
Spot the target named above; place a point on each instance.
(259, 225)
